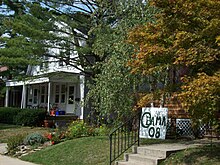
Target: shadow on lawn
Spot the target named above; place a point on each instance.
(8, 126)
(208, 152)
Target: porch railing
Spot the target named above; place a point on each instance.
(124, 136)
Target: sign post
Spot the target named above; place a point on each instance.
(153, 123)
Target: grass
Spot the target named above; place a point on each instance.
(80, 151)
(204, 155)
(7, 131)
(157, 141)
(95, 150)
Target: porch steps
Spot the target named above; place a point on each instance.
(59, 121)
(150, 155)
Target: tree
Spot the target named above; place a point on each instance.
(30, 29)
(185, 40)
(104, 25)
(114, 89)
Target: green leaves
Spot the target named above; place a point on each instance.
(115, 88)
(38, 30)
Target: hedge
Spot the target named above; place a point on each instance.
(7, 114)
(26, 117)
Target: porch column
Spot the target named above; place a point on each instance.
(23, 97)
(48, 102)
(6, 96)
(82, 86)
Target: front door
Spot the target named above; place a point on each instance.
(70, 99)
(35, 98)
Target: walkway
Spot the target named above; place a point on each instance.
(155, 153)
(6, 160)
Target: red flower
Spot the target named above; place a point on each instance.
(49, 136)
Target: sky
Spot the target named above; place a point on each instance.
(65, 8)
(5, 11)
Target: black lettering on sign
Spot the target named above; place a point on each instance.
(157, 135)
(152, 121)
(151, 132)
(161, 121)
(147, 115)
(158, 119)
(164, 121)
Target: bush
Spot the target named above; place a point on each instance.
(13, 143)
(77, 129)
(34, 139)
(27, 117)
(57, 136)
(30, 117)
(7, 114)
(103, 130)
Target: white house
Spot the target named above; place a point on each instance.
(63, 90)
(53, 85)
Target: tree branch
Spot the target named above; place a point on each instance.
(59, 11)
(72, 5)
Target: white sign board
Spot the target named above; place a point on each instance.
(153, 123)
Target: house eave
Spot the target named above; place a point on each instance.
(31, 81)
(48, 77)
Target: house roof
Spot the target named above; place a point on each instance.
(50, 77)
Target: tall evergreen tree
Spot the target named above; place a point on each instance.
(32, 28)
(32, 31)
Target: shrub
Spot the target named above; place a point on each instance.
(30, 117)
(77, 129)
(34, 139)
(103, 130)
(7, 114)
(27, 117)
(13, 143)
(91, 131)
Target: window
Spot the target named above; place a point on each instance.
(44, 94)
(60, 93)
(61, 62)
(57, 93)
(35, 96)
(71, 95)
(45, 63)
(65, 54)
(63, 93)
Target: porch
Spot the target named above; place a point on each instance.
(59, 121)
(59, 93)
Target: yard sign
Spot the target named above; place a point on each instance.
(153, 123)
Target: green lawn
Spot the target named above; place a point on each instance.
(205, 155)
(95, 150)
(80, 151)
(7, 131)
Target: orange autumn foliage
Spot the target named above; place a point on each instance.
(185, 35)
